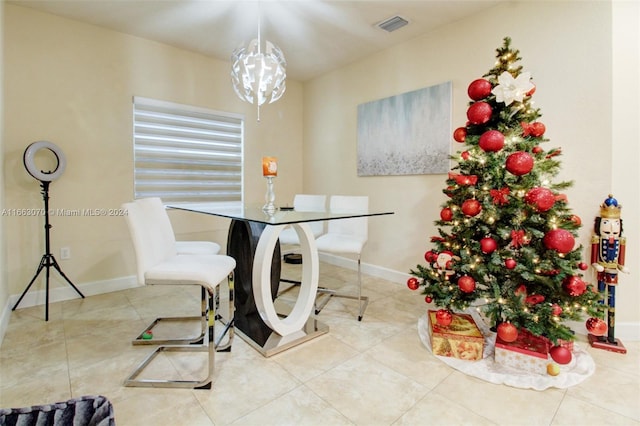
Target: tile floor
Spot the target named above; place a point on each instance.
(376, 372)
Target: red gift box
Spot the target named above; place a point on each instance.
(528, 352)
(461, 339)
(565, 344)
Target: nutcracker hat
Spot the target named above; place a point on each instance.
(610, 208)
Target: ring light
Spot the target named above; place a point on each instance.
(45, 179)
(30, 165)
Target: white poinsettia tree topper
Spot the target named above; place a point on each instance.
(511, 89)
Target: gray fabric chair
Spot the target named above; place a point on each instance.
(82, 411)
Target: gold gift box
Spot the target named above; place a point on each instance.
(461, 339)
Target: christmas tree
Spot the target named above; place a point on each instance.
(506, 243)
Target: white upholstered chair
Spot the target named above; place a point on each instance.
(197, 247)
(305, 203)
(345, 237)
(158, 262)
(289, 240)
(156, 217)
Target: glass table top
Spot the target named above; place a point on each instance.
(282, 216)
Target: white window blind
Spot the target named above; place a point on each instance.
(186, 154)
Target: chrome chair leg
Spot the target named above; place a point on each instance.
(229, 324)
(197, 339)
(208, 346)
(211, 304)
(363, 301)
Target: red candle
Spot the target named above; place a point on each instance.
(269, 166)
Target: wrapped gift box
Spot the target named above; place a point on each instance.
(564, 343)
(529, 353)
(461, 339)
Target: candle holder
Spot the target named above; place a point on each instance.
(269, 197)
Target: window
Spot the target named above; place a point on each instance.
(186, 154)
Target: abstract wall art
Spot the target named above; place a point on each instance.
(406, 134)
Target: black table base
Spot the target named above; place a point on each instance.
(241, 245)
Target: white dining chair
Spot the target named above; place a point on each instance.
(158, 263)
(155, 216)
(197, 247)
(345, 237)
(289, 241)
(305, 203)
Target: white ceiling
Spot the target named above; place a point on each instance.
(315, 36)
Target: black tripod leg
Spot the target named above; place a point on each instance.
(55, 265)
(43, 261)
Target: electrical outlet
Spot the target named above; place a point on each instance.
(65, 253)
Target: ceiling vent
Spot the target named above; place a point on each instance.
(393, 23)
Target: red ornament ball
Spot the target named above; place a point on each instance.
(413, 283)
(444, 317)
(449, 191)
(491, 141)
(488, 245)
(467, 284)
(537, 149)
(479, 113)
(537, 129)
(559, 240)
(428, 299)
(460, 134)
(430, 256)
(507, 332)
(556, 309)
(510, 263)
(471, 207)
(596, 326)
(560, 354)
(541, 198)
(576, 219)
(446, 214)
(534, 299)
(519, 163)
(479, 89)
(574, 286)
(583, 266)
(465, 155)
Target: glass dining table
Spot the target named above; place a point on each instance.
(269, 325)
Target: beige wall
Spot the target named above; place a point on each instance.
(567, 46)
(73, 84)
(4, 290)
(57, 88)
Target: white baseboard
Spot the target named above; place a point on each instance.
(59, 294)
(625, 331)
(367, 268)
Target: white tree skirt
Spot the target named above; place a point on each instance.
(580, 367)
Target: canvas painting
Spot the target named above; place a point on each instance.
(406, 134)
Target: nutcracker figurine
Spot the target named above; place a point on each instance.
(607, 258)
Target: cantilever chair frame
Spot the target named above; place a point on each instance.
(198, 339)
(329, 293)
(184, 248)
(301, 202)
(208, 344)
(210, 303)
(363, 300)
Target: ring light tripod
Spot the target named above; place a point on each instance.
(45, 179)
